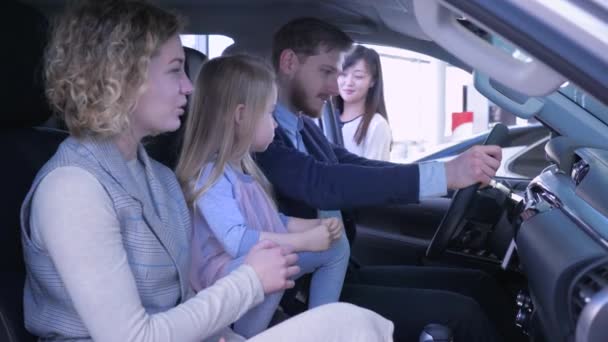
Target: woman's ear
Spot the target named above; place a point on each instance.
(239, 115)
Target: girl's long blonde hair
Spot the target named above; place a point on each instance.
(211, 134)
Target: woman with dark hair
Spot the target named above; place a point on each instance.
(361, 105)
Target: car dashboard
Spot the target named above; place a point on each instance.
(562, 246)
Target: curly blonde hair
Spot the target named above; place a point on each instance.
(97, 60)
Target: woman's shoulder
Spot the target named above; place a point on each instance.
(68, 187)
(378, 119)
(69, 176)
(378, 122)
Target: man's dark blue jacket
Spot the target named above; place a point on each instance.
(330, 177)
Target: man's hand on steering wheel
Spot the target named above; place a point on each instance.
(467, 172)
(476, 165)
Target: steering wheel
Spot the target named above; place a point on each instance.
(461, 201)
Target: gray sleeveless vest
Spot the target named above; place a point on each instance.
(155, 236)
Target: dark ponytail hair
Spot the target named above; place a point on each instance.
(374, 101)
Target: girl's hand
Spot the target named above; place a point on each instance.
(335, 226)
(318, 239)
(273, 264)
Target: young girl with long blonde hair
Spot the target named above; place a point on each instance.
(231, 199)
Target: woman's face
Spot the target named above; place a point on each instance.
(354, 82)
(164, 98)
(264, 129)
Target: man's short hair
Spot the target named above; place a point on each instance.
(306, 37)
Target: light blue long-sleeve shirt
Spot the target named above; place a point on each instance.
(220, 209)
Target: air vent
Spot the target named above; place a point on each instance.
(589, 283)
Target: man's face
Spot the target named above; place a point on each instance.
(315, 81)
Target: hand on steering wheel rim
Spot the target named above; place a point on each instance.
(461, 201)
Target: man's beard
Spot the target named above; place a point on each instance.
(298, 99)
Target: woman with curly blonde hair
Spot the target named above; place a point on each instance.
(106, 230)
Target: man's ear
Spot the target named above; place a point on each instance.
(239, 115)
(288, 62)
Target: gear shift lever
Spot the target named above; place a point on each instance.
(436, 333)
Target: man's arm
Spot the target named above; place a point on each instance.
(356, 182)
(475, 165)
(336, 186)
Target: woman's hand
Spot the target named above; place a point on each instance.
(273, 264)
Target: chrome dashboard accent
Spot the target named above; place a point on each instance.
(554, 189)
(538, 199)
(579, 171)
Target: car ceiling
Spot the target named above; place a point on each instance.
(382, 22)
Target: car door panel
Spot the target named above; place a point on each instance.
(397, 234)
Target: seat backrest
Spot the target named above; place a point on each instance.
(24, 149)
(23, 103)
(165, 147)
(194, 62)
(330, 124)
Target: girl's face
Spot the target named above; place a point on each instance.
(164, 98)
(264, 128)
(354, 82)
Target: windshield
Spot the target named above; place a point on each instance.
(572, 92)
(586, 101)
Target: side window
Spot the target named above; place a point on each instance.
(434, 108)
(211, 45)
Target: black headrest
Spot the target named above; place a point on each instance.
(24, 103)
(194, 62)
(240, 49)
(165, 147)
(230, 50)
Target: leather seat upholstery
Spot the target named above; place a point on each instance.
(24, 149)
